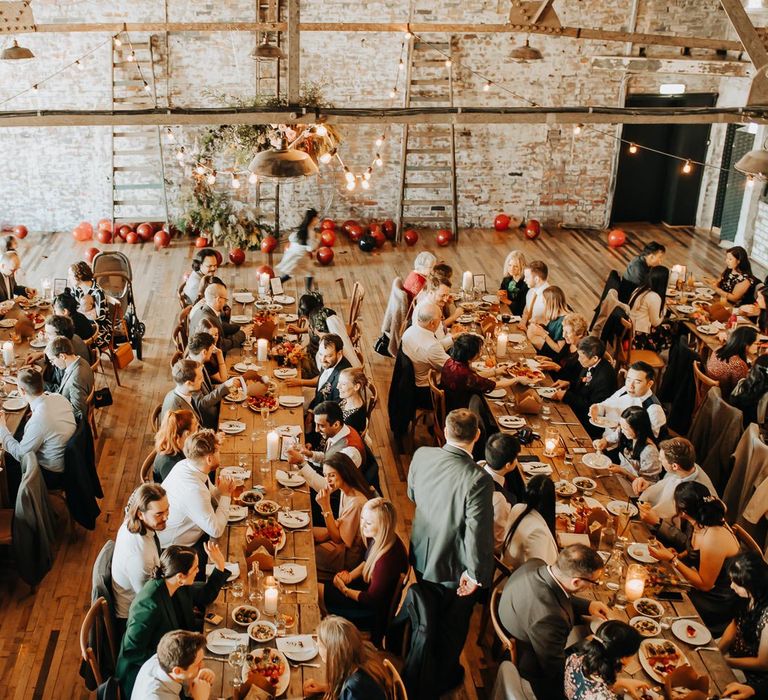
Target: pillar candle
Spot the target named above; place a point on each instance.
(270, 596)
(262, 346)
(273, 446)
(501, 344)
(466, 281)
(264, 280)
(8, 355)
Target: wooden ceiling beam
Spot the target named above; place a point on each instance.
(605, 35)
(753, 43)
(673, 66)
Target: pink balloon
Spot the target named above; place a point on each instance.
(87, 228)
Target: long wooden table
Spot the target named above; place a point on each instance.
(576, 442)
(302, 602)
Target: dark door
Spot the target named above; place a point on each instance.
(732, 182)
(650, 186)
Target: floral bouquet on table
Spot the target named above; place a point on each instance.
(264, 325)
(288, 353)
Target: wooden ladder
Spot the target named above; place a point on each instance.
(428, 160)
(138, 171)
(268, 73)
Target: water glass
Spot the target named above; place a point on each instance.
(280, 624)
(264, 413)
(284, 498)
(237, 590)
(242, 461)
(266, 469)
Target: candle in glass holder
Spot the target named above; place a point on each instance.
(264, 281)
(46, 287)
(273, 446)
(271, 595)
(8, 354)
(501, 344)
(634, 586)
(262, 348)
(466, 281)
(551, 441)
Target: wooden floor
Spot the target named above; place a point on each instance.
(39, 648)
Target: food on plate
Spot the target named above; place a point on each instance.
(522, 370)
(584, 483)
(250, 498)
(36, 319)
(289, 620)
(268, 663)
(564, 488)
(266, 508)
(236, 394)
(268, 528)
(645, 626)
(245, 615)
(690, 631)
(649, 608)
(265, 401)
(663, 657)
(262, 632)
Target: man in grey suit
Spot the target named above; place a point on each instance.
(9, 266)
(452, 534)
(210, 306)
(539, 609)
(77, 380)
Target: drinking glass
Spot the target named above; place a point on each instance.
(284, 498)
(242, 461)
(264, 413)
(623, 524)
(266, 469)
(237, 590)
(280, 623)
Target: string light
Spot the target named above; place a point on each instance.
(577, 129)
(351, 184)
(348, 175)
(393, 93)
(365, 184)
(688, 167)
(379, 140)
(379, 162)
(632, 148)
(147, 87)
(170, 135)
(118, 42)
(34, 87)
(326, 157)
(367, 174)
(180, 154)
(448, 62)
(235, 182)
(211, 179)
(487, 86)
(401, 65)
(253, 178)
(321, 130)
(79, 65)
(131, 56)
(200, 170)
(750, 181)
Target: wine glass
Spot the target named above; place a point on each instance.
(266, 469)
(242, 461)
(237, 590)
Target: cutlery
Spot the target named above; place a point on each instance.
(296, 665)
(685, 617)
(708, 649)
(297, 590)
(558, 422)
(293, 558)
(305, 529)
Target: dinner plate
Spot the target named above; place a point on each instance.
(237, 513)
(534, 468)
(232, 566)
(646, 626)
(284, 299)
(564, 509)
(242, 367)
(300, 647)
(232, 427)
(283, 681)
(224, 641)
(517, 339)
(511, 422)
(288, 479)
(251, 497)
(237, 397)
(240, 319)
(7, 322)
(291, 401)
(465, 319)
(685, 308)
(699, 634)
(604, 422)
(707, 329)
(496, 393)
(289, 318)
(266, 631)
(11, 380)
(243, 297)
(38, 344)
(293, 519)
(546, 392)
(285, 372)
(584, 483)
(290, 573)
(639, 552)
(654, 608)
(564, 488)
(250, 608)
(235, 472)
(593, 503)
(490, 299)
(621, 507)
(14, 404)
(663, 644)
(266, 507)
(596, 460)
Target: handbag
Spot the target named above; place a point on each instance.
(381, 346)
(102, 397)
(123, 355)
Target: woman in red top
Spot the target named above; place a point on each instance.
(422, 267)
(729, 363)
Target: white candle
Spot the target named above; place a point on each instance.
(273, 445)
(634, 589)
(46, 285)
(501, 345)
(8, 355)
(262, 346)
(466, 281)
(270, 596)
(264, 280)
(550, 446)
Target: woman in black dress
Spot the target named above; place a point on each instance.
(353, 397)
(513, 288)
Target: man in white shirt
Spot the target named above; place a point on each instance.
(678, 458)
(197, 508)
(177, 666)
(535, 275)
(501, 451)
(422, 347)
(437, 291)
(339, 437)
(47, 431)
(137, 547)
(637, 391)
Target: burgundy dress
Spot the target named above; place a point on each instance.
(727, 373)
(461, 382)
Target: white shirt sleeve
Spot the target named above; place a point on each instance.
(201, 512)
(354, 454)
(436, 356)
(501, 515)
(657, 417)
(315, 481)
(31, 440)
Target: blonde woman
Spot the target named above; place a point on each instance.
(513, 288)
(364, 594)
(548, 337)
(176, 427)
(353, 668)
(352, 397)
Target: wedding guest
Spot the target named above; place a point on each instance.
(638, 454)
(730, 363)
(749, 392)
(313, 320)
(80, 279)
(647, 309)
(204, 264)
(352, 399)
(513, 288)
(736, 284)
(215, 298)
(336, 436)
(296, 260)
(10, 263)
(501, 451)
(640, 266)
(77, 380)
(66, 305)
(546, 335)
(422, 268)
(536, 273)
(421, 345)
(56, 326)
(174, 429)
(437, 291)
(331, 362)
(565, 367)
(216, 367)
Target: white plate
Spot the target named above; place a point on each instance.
(263, 624)
(496, 393)
(512, 422)
(293, 519)
(285, 372)
(546, 392)
(641, 655)
(534, 468)
(596, 460)
(224, 641)
(289, 318)
(240, 319)
(465, 319)
(267, 507)
(14, 404)
(300, 647)
(244, 297)
(701, 634)
(621, 507)
(290, 573)
(604, 422)
(518, 339)
(287, 479)
(593, 503)
(685, 309)
(658, 607)
(649, 621)
(237, 513)
(288, 430)
(235, 472)
(39, 344)
(564, 509)
(707, 329)
(232, 427)
(8, 322)
(252, 496)
(584, 483)
(564, 488)
(11, 380)
(290, 401)
(639, 552)
(285, 678)
(490, 299)
(232, 566)
(237, 397)
(245, 607)
(284, 299)
(242, 367)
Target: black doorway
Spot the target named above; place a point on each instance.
(652, 187)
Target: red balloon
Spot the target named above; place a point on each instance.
(348, 223)
(379, 237)
(501, 222)
(617, 238)
(79, 234)
(328, 224)
(532, 229)
(355, 231)
(237, 256)
(87, 229)
(444, 237)
(104, 235)
(145, 232)
(268, 244)
(201, 242)
(90, 254)
(328, 237)
(105, 225)
(265, 269)
(20, 231)
(375, 226)
(325, 255)
(162, 239)
(123, 231)
(390, 229)
(410, 237)
(132, 237)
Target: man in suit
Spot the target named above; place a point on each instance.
(538, 608)
(210, 306)
(77, 380)
(9, 266)
(596, 382)
(452, 534)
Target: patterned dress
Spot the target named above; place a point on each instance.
(581, 687)
(749, 628)
(103, 322)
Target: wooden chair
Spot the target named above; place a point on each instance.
(358, 294)
(181, 296)
(119, 328)
(179, 338)
(97, 625)
(184, 323)
(91, 417)
(6, 526)
(156, 417)
(397, 682)
(508, 643)
(178, 355)
(627, 354)
(438, 405)
(500, 572)
(145, 473)
(373, 399)
(746, 540)
(702, 383)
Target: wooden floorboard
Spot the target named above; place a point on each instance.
(39, 647)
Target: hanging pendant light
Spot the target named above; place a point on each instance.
(267, 51)
(754, 164)
(16, 53)
(282, 163)
(526, 53)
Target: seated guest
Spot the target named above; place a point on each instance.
(437, 291)
(174, 429)
(675, 531)
(210, 306)
(364, 594)
(536, 273)
(332, 361)
(530, 528)
(204, 264)
(354, 670)
(137, 549)
(422, 267)
(538, 607)
(730, 363)
(56, 326)
(165, 604)
(351, 386)
(736, 284)
(197, 507)
(9, 266)
(66, 305)
(80, 279)
(313, 320)
(177, 666)
(596, 382)
(647, 309)
(749, 392)
(704, 560)
(77, 380)
(745, 641)
(513, 288)
(423, 348)
(636, 274)
(501, 451)
(637, 391)
(336, 436)
(10, 243)
(216, 367)
(546, 335)
(565, 367)
(46, 433)
(443, 269)
(657, 500)
(590, 671)
(637, 451)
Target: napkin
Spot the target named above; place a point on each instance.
(297, 645)
(232, 566)
(564, 539)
